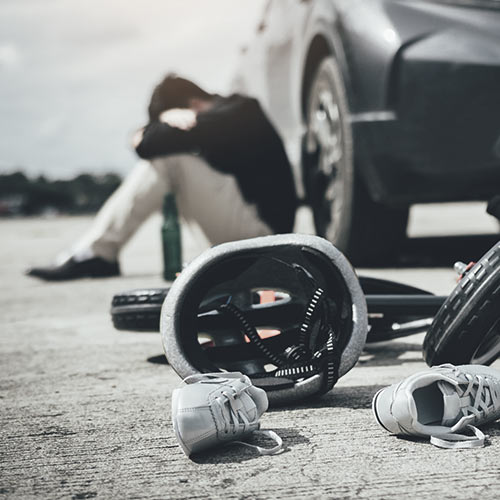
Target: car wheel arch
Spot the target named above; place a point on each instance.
(323, 43)
(318, 49)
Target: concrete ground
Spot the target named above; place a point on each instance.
(85, 409)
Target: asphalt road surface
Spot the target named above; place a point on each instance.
(85, 409)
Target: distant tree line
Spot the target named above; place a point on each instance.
(21, 195)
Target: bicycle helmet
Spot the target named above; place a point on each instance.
(286, 310)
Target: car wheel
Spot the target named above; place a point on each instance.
(466, 330)
(344, 213)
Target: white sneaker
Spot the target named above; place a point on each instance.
(214, 409)
(441, 402)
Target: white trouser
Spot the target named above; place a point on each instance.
(203, 194)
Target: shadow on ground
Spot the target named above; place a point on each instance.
(354, 397)
(390, 353)
(160, 359)
(238, 453)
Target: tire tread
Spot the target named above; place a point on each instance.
(138, 310)
(456, 330)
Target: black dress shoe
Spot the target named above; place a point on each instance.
(95, 267)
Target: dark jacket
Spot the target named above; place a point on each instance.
(235, 137)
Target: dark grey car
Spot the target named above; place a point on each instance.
(381, 104)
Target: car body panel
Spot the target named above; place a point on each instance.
(423, 85)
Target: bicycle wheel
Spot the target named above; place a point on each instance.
(138, 310)
(466, 330)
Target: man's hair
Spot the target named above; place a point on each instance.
(173, 92)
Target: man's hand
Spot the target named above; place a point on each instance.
(182, 118)
(137, 138)
(179, 118)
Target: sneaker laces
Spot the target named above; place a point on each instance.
(235, 420)
(485, 394)
(237, 423)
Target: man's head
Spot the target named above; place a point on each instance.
(176, 92)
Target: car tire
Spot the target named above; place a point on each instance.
(344, 213)
(466, 330)
(138, 310)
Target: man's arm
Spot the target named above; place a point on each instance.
(171, 135)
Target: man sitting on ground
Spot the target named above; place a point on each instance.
(221, 158)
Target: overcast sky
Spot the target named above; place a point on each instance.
(75, 75)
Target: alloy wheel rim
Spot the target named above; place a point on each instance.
(325, 140)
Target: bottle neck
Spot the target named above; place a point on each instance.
(169, 206)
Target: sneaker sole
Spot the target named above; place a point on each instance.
(175, 396)
(375, 412)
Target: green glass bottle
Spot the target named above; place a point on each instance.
(171, 239)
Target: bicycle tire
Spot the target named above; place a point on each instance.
(138, 310)
(466, 329)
